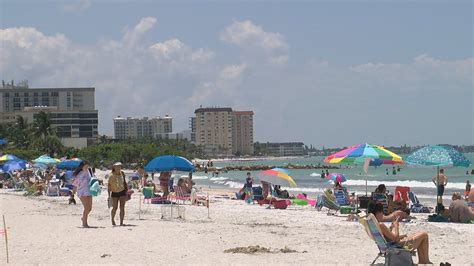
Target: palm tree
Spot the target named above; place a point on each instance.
(42, 125)
(20, 132)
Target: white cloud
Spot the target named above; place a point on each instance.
(245, 33)
(257, 42)
(316, 101)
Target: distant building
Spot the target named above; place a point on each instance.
(242, 132)
(223, 132)
(285, 148)
(129, 127)
(192, 125)
(72, 110)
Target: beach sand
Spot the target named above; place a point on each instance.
(47, 230)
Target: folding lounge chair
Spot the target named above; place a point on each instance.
(328, 202)
(341, 197)
(372, 229)
(179, 195)
(416, 206)
(401, 193)
(381, 198)
(147, 194)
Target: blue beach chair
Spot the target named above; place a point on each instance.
(373, 230)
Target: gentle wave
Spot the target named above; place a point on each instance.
(197, 177)
(315, 175)
(218, 178)
(405, 183)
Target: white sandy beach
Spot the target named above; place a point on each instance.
(45, 230)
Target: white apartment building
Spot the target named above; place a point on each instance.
(72, 110)
(129, 127)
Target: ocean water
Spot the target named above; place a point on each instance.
(309, 180)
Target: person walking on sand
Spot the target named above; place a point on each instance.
(440, 182)
(117, 189)
(81, 182)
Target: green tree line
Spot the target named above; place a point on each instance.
(30, 140)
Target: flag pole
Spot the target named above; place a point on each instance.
(6, 236)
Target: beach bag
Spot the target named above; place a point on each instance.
(94, 187)
(398, 257)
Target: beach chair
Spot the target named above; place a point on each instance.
(147, 194)
(328, 202)
(416, 206)
(381, 198)
(401, 194)
(179, 195)
(373, 230)
(341, 197)
(257, 193)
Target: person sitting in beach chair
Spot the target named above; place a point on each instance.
(53, 188)
(417, 241)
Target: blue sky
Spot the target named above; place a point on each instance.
(324, 73)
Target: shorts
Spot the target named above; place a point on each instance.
(440, 190)
(119, 194)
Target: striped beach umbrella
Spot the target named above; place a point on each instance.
(336, 177)
(357, 154)
(276, 176)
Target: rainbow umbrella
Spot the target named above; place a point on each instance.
(357, 154)
(336, 177)
(276, 176)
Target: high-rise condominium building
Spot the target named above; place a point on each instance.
(72, 110)
(221, 131)
(242, 132)
(157, 127)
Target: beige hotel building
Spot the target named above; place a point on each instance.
(222, 131)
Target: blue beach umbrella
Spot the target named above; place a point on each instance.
(68, 164)
(8, 157)
(437, 156)
(168, 163)
(3, 141)
(14, 165)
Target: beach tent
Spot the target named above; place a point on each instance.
(168, 163)
(362, 153)
(437, 156)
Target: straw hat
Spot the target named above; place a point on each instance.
(117, 164)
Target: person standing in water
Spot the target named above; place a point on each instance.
(440, 182)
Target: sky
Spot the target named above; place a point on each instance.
(327, 73)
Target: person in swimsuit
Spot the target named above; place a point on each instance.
(417, 241)
(81, 183)
(117, 188)
(440, 182)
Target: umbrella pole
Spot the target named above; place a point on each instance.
(437, 189)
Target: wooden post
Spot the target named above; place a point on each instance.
(139, 206)
(6, 236)
(208, 203)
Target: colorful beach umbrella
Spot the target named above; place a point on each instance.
(45, 159)
(168, 163)
(357, 154)
(9, 157)
(437, 156)
(336, 177)
(14, 165)
(276, 177)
